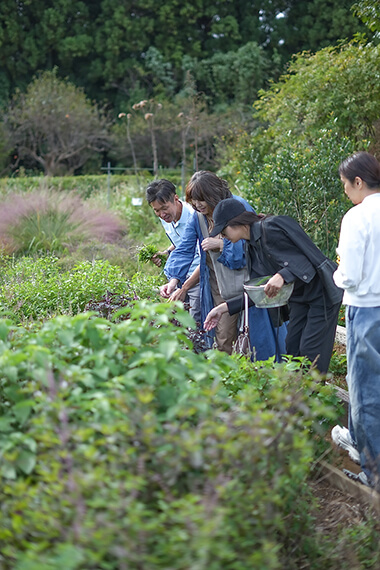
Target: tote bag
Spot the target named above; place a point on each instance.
(242, 345)
(230, 281)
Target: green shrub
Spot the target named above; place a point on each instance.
(299, 179)
(335, 83)
(322, 110)
(36, 288)
(122, 448)
(141, 220)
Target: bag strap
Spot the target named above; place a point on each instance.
(205, 233)
(246, 327)
(203, 225)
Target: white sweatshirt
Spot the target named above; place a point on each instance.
(359, 251)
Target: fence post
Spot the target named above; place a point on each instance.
(108, 184)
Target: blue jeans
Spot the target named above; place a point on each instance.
(363, 380)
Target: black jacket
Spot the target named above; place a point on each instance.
(278, 244)
(286, 248)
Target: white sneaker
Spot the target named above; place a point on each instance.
(342, 437)
(358, 477)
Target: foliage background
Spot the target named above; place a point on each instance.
(204, 76)
(120, 446)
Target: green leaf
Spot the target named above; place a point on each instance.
(22, 410)
(26, 461)
(4, 329)
(168, 349)
(8, 471)
(70, 557)
(5, 423)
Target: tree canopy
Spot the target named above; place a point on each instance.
(123, 52)
(369, 12)
(336, 83)
(106, 45)
(55, 126)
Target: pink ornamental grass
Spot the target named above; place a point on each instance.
(47, 220)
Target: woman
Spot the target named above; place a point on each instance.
(277, 245)
(359, 275)
(204, 191)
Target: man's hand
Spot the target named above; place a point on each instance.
(167, 289)
(210, 243)
(274, 285)
(214, 316)
(157, 260)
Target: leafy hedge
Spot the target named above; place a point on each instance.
(86, 186)
(121, 448)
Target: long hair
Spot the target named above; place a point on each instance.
(205, 186)
(363, 165)
(246, 219)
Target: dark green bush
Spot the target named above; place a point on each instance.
(299, 179)
(121, 448)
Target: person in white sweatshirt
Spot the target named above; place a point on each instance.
(358, 274)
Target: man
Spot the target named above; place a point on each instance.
(174, 214)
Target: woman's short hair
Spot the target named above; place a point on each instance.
(363, 165)
(205, 186)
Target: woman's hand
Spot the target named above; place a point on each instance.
(210, 243)
(274, 285)
(178, 295)
(214, 316)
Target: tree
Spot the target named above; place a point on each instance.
(53, 125)
(232, 77)
(369, 12)
(41, 34)
(323, 109)
(336, 83)
(314, 24)
(127, 51)
(300, 180)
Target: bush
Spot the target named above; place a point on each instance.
(84, 186)
(317, 114)
(300, 180)
(121, 448)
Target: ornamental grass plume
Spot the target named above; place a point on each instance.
(53, 221)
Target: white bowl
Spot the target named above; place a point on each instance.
(255, 290)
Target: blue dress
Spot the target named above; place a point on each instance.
(266, 341)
